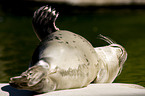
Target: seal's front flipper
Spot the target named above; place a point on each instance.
(44, 21)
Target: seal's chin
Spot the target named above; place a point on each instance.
(14, 84)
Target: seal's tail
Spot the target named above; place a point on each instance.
(44, 21)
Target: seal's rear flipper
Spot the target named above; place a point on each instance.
(44, 21)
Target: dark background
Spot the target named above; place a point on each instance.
(123, 23)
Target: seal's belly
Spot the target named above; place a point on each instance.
(73, 69)
(72, 65)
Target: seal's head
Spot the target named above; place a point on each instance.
(35, 78)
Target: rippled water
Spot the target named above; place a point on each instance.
(18, 41)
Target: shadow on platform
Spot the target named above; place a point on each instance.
(15, 92)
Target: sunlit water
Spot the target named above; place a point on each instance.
(18, 41)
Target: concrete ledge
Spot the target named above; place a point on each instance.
(96, 2)
(113, 89)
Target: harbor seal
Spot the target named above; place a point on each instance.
(66, 60)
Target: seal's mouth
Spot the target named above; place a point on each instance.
(13, 85)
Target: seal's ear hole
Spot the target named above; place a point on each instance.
(44, 62)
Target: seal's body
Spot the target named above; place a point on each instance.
(66, 60)
(71, 59)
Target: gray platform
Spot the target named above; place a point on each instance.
(113, 89)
